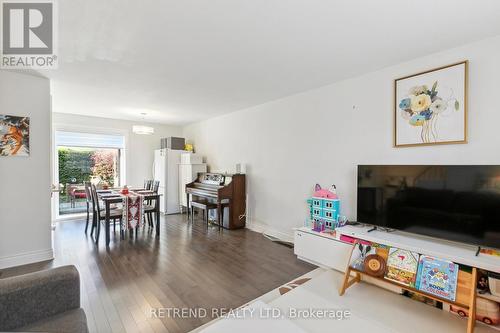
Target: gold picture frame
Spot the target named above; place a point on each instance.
(417, 109)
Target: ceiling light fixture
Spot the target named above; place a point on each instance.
(141, 129)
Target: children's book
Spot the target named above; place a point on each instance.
(438, 277)
(359, 254)
(364, 249)
(402, 266)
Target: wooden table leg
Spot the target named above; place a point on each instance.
(98, 229)
(157, 216)
(106, 232)
(471, 321)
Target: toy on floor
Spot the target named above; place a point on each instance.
(324, 208)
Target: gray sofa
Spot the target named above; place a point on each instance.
(45, 301)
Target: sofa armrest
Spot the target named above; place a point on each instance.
(28, 298)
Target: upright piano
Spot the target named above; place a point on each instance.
(227, 191)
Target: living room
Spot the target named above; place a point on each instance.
(379, 109)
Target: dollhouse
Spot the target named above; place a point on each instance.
(324, 207)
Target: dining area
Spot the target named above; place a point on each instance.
(128, 210)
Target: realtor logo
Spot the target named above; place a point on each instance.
(28, 32)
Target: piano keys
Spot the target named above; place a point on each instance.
(227, 191)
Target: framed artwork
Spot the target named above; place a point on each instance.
(431, 107)
(14, 136)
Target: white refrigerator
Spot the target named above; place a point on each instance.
(166, 170)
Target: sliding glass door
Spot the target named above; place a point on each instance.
(85, 157)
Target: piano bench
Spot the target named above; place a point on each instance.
(203, 205)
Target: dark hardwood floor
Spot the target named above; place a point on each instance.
(187, 267)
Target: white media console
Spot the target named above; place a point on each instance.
(329, 251)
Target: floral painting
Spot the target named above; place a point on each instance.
(431, 107)
(14, 136)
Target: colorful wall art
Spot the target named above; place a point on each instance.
(14, 136)
(431, 107)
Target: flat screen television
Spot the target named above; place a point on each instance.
(454, 202)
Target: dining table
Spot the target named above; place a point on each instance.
(115, 196)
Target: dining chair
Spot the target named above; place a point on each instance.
(88, 199)
(148, 185)
(94, 208)
(114, 214)
(149, 209)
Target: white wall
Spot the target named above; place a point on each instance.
(25, 222)
(139, 148)
(321, 135)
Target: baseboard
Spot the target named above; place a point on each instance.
(268, 230)
(71, 217)
(26, 258)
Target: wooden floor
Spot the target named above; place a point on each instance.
(187, 267)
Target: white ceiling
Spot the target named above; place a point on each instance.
(186, 60)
